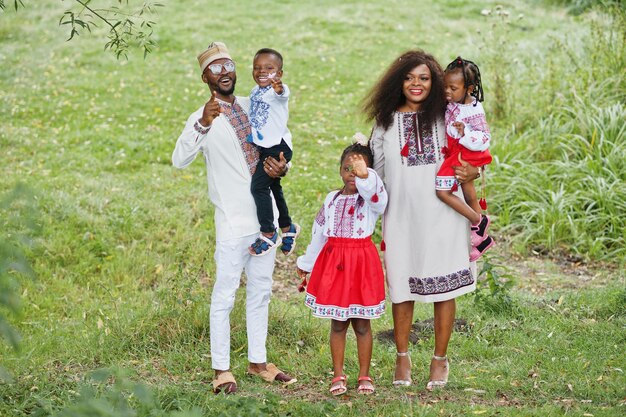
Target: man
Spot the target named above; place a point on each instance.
(219, 130)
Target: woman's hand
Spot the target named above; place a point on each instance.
(465, 172)
(275, 168)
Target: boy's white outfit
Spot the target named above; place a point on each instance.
(230, 161)
(269, 114)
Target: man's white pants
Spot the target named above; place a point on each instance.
(231, 258)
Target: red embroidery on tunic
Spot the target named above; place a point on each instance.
(344, 223)
(421, 150)
(240, 122)
(477, 122)
(320, 219)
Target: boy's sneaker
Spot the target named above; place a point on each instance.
(263, 244)
(477, 251)
(479, 231)
(289, 239)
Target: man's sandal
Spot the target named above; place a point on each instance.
(338, 385)
(438, 383)
(403, 382)
(289, 239)
(363, 388)
(271, 374)
(263, 244)
(225, 382)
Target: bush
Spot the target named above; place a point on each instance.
(558, 177)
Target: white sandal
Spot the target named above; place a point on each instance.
(403, 382)
(440, 383)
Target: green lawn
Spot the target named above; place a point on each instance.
(124, 254)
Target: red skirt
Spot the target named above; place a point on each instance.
(347, 281)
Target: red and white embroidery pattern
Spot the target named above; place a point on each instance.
(320, 218)
(344, 222)
(239, 121)
(478, 122)
(452, 113)
(421, 147)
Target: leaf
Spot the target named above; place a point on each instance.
(8, 333)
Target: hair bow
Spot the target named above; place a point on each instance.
(360, 138)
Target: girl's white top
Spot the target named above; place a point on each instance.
(476, 133)
(346, 216)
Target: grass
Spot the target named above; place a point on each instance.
(124, 253)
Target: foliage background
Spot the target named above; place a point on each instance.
(124, 253)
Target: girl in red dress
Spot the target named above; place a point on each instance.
(468, 139)
(347, 282)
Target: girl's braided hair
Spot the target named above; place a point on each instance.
(471, 76)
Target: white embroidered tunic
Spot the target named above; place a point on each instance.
(427, 242)
(346, 216)
(269, 113)
(476, 132)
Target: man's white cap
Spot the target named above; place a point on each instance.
(216, 50)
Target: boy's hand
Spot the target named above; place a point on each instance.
(359, 167)
(460, 127)
(277, 84)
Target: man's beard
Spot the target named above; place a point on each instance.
(226, 92)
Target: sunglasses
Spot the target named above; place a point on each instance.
(216, 69)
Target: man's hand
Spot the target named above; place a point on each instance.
(211, 110)
(460, 127)
(465, 172)
(275, 168)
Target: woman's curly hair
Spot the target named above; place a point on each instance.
(387, 96)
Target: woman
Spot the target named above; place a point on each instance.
(426, 243)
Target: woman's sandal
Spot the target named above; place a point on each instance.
(365, 389)
(403, 382)
(338, 385)
(438, 383)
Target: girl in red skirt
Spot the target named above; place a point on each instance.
(468, 140)
(347, 283)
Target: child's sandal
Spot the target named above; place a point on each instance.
(289, 239)
(364, 389)
(478, 251)
(262, 245)
(338, 385)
